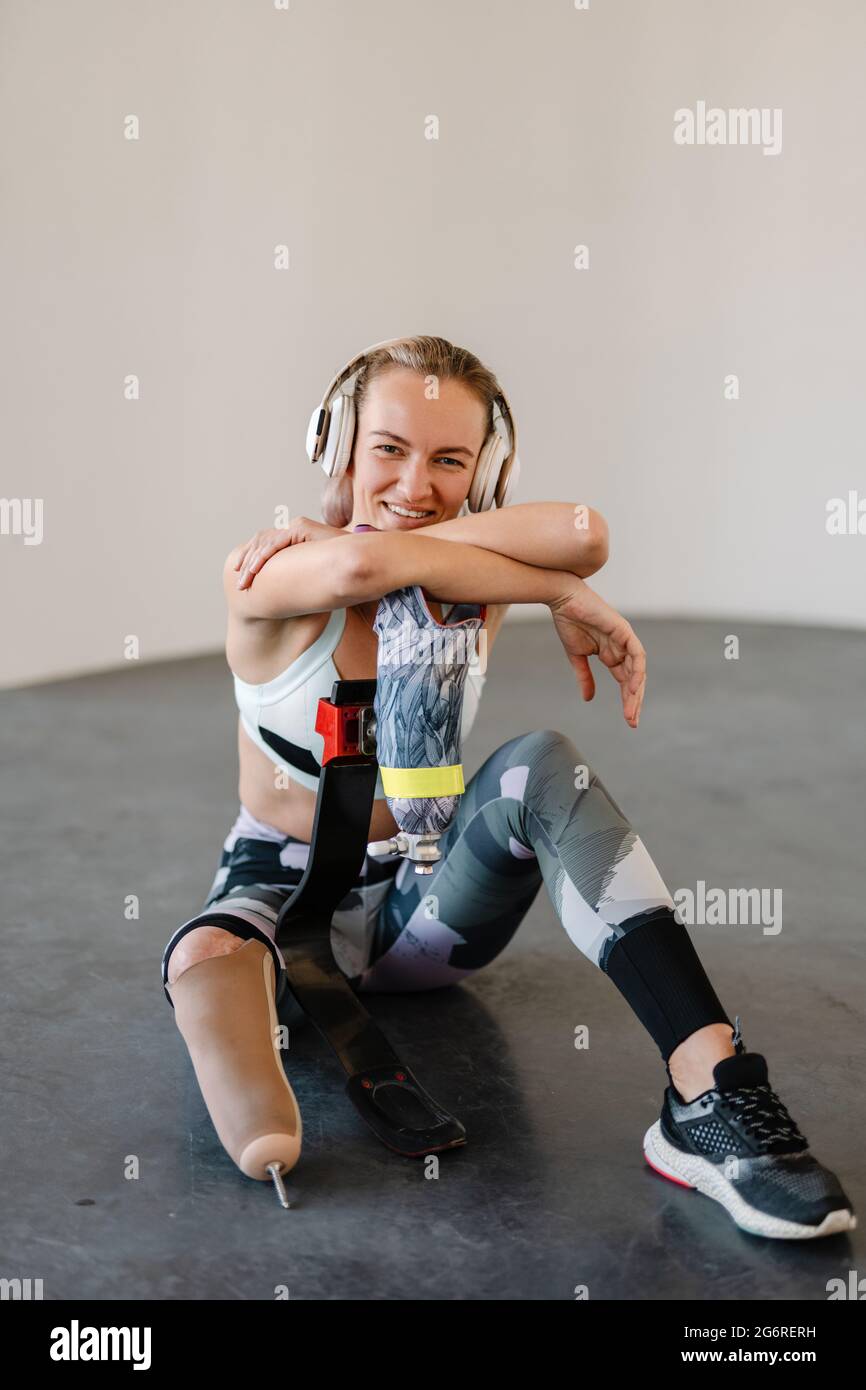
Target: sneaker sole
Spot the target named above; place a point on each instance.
(691, 1171)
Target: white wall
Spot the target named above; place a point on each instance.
(260, 126)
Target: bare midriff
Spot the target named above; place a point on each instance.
(291, 808)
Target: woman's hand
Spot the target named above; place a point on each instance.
(256, 552)
(587, 626)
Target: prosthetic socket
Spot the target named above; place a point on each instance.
(421, 675)
(225, 1009)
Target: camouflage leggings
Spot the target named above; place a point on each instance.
(534, 812)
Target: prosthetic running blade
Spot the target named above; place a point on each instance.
(385, 1092)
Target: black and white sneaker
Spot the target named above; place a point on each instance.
(737, 1144)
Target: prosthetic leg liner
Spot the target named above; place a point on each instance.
(225, 1009)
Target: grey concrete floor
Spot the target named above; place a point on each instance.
(743, 773)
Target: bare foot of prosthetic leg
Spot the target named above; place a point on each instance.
(225, 1009)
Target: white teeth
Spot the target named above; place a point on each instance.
(401, 511)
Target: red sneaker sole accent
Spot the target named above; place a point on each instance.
(662, 1174)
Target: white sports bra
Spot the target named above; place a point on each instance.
(280, 715)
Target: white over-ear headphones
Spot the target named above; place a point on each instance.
(331, 434)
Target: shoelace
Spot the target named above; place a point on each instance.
(762, 1114)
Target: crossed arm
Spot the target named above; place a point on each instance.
(557, 536)
(529, 553)
(553, 535)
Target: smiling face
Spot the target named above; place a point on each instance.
(414, 453)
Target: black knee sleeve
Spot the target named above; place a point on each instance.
(657, 969)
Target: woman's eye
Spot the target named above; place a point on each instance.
(444, 458)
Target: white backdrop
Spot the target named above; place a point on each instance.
(307, 127)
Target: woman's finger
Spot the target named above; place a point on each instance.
(633, 702)
(247, 570)
(248, 559)
(272, 547)
(585, 677)
(262, 547)
(628, 704)
(640, 696)
(636, 676)
(614, 649)
(615, 659)
(632, 667)
(246, 549)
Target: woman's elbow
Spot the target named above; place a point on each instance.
(601, 540)
(594, 544)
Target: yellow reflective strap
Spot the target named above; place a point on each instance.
(423, 781)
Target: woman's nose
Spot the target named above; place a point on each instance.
(415, 482)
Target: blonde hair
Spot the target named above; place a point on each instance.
(429, 357)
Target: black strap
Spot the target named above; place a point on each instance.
(383, 1089)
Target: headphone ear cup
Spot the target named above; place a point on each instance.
(483, 488)
(507, 482)
(347, 436)
(341, 433)
(476, 487)
(314, 428)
